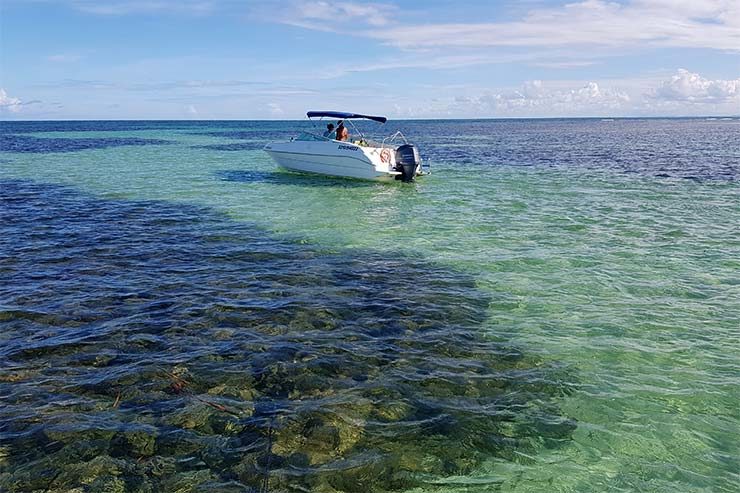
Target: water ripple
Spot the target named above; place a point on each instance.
(26, 144)
(149, 346)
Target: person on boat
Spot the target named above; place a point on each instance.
(330, 132)
(342, 133)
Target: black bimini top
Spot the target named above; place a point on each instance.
(345, 116)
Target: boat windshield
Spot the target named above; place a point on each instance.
(309, 136)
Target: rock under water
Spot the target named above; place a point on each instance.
(151, 346)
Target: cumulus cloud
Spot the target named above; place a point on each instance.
(537, 98)
(689, 87)
(8, 104)
(680, 94)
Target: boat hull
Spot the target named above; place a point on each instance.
(331, 158)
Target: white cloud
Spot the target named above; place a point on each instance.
(690, 87)
(192, 85)
(323, 15)
(592, 23)
(564, 64)
(12, 105)
(370, 13)
(127, 7)
(681, 94)
(275, 110)
(423, 62)
(537, 98)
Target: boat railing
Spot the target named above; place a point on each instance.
(388, 141)
(362, 141)
(368, 143)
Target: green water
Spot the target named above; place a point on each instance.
(630, 282)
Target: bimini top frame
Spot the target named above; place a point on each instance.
(345, 116)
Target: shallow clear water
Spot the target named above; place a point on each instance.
(554, 309)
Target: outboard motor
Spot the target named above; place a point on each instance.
(407, 161)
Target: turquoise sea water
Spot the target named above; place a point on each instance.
(554, 308)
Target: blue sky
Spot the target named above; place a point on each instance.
(243, 59)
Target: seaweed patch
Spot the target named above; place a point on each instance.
(150, 346)
(240, 146)
(27, 144)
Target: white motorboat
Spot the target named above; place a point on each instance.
(392, 159)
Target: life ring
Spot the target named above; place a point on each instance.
(385, 156)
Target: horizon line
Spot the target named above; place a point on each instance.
(662, 117)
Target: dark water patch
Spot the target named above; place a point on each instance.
(241, 146)
(683, 148)
(288, 178)
(148, 346)
(24, 143)
(14, 127)
(259, 133)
